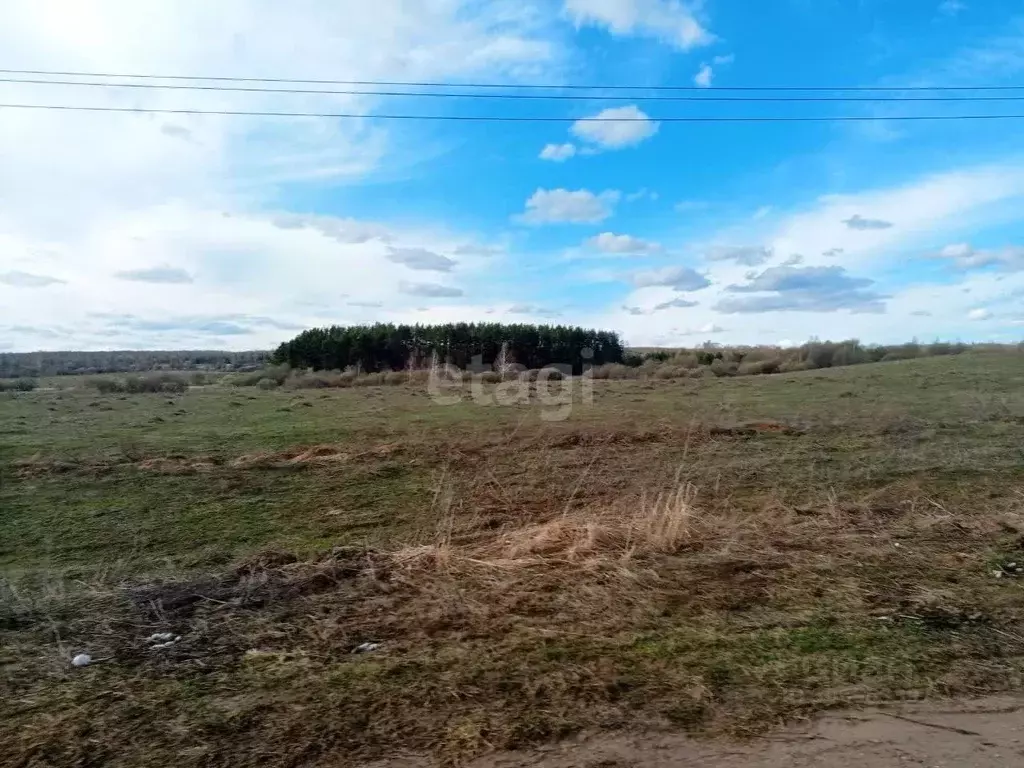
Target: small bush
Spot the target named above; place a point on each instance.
(276, 373)
(686, 360)
(760, 367)
(165, 383)
(794, 365)
(613, 371)
(267, 384)
(632, 360)
(18, 385)
(659, 355)
(721, 368)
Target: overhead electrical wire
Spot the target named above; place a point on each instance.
(509, 96)
(521, 86)
(516, 118)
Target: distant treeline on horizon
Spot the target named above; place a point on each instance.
(34, 364)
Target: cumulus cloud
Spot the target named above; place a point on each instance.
(668, 21)
(704, 76)
(979, 313)
(432, 290)
(558, 153)
(858, 222)
(563, 206)
(963, 256)
(421, 259)
(642, 194)
(19, 279)
(679, 278)
(343, 230)
(793, 260)
(832, 252)
(531, 309)
(748, 255)
(470, 249)
(679, 303)
(176, 131)
(709, 328)
(211, 194)
(608, 242)
(807, 289)
(161, 274)
(634, 311)
(624, 127)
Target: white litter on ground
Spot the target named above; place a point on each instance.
(367, 647)
(81, 660)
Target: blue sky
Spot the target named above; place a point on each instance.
(164, 231)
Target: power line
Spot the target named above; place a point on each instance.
(510, 118)
(526, 86)
(510, 96)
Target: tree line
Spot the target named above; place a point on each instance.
(389, 347)
(31, 364)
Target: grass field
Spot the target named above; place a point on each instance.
(708, 555)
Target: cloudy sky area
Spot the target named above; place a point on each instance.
(200, 231)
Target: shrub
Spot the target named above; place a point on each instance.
(267, 384)
(613, 371)
(658, 355)
(686, 360)
(158, 382)
(632, 359)
(759, 367)
(277, 373)
(794, 365)
(18, 385)
(721, 368)
(394, 378)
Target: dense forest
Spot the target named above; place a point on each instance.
(19, 364)
(387, 347)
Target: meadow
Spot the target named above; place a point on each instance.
(356, 571)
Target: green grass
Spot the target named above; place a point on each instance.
(123, 515)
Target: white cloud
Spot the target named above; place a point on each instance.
(200, 195)
(951, 7)
(979, 314)
(678, 278)
(707, 328)
(18, 279)
(430, 290)
(628, 127)
(748, 255)
(558, 153)
(704, 76)
(420, 259)
(608, 242)
(874, 303)
(963, 256)
(670, 21)
(723, 60)
(642, 194)
(559, 206)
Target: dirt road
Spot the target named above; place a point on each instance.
(986, 732)
(938, 735)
